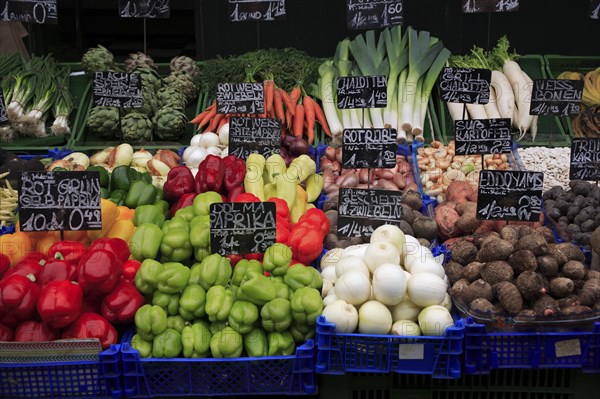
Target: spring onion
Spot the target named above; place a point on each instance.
(62, 106)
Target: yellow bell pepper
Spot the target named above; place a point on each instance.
(123, 229)
(43, 244)
(109, 215)
(299, 207)
(314, 186)
(15, 246)
(125, 213)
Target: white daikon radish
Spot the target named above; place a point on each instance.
(505, 98)
(456, 111)
(476, 111)
(491, 108)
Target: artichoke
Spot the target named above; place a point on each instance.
(170, 96)
(104, 122)
(139, 60)
(169, 123)
(184, 83)
(98, 59)
(185, 64)
(136, 126)
(150, 78)
(149, 103)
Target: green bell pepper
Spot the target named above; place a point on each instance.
(169, 302)
(176, 223)
(243, 267)
(104, 193)
(117, 196)
(301, 332)
(202, 202)
(201, 253)
(281, 288)
(213, 270)
(217, 326)
(150, 320)
(146, 278)
(122, 177)
(173, 278)
(148, 214)
(104, 179)
(200, 231)
(186, 213)
(307, 305)
(299, 276)
(219, 302)
(192, 302)
(160, 195)
(140, 193)
(257, 289)
(226, 343)
(243, 316)
(141, 345)
(164, 207)
(255, 343)
(142, 176)
(281, 343)
(277, 259)
(276, 315)
(176, 245)
(145, 241)
(167, 344)
(176, 322)
(196, 340)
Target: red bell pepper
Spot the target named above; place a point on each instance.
(92, 325)
(235, 171)
(57, 270)
(99, 272)
(316, 218)
(282, 233)
(91, 303)
(120, 305)
(184, 201)
(6, 333)
(281, 208)
(306, 243)
(118, 246)
(70, 251)
(18, 296)
(26, 267)
(258, 257)
(234, 259)
(210, 174)
(4, 264)
(234, 193)
(36, 256)
(59, 303)
(246, 197)
(180, 181)
(35, 331)
(130, 268)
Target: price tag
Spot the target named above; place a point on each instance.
(242, 227)
(473, 6)
(556, 97)
(145, 8)
(510, 195)
(254, 135)
(568, 347)
(465, 85)
(369, 148)
(362, 92)
(50, 201)
(256, 10)
(240, 98)
(585, 159)
(361, 211)
(375, 14)
(411, 351)
(595, 9)
(35, 11)
(483, 136)
(117, 89)
(3, 115)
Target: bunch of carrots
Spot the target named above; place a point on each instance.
(297, 111)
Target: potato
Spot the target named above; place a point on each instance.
(472, 271)
(454, 271)
(522, 261)
(482, 305)
(561, 287)
(496, 272)
(546, 306)
(574, 270)
(425, 228)
(495, 249)
(464, 252)
(531, 285)
(536, 243)
(412, 199)
(510, 234)
(509, 297)
(547, 265)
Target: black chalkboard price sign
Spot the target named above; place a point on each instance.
(374, 14)
(3, 115)
(242, 227)
(50, 201)
(556, 97)
(510, 195)
(34, 11)
(117, 89)
(256, 10)
(361, 211)
(240, 98)
(362, 92)
(254, 135)
(369, 148)
(595, 9)
(474, 6)
(465, 85)
(482, 136)
(585, 159)
(145, 8)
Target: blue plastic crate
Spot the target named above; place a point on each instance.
(275, 375)
(489, 350)
(439, 357)
(55, 154)
(6, 230)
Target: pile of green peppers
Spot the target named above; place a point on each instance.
(128, 187)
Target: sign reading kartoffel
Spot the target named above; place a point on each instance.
(374, 14)
(256, 10)
(473, 6)
(585, 159)
(3, 115)
(254, 135)
(361, 211)
(145, 8)
(465, 85)
(482, 136)
(117, 89)
(242, 227)
(510, 195)
(556, 97)
(35, 11)
(362, 92)
(50, 201)
(369, 148)
(240, 98)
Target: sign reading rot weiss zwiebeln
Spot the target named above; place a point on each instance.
(510, 195)
(254, 135)
(361, 211)
(242, 227)
(465, 85)
(369, 148)
(474, 6)
(50, 201)
(256, 10)
(117, 89)
(240, 98)
(482, 136)
(585, 159)
(374, 14)
(145, 8)
(560, 97)
(362, 92)
(34, 11)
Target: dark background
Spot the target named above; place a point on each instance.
(201, 29)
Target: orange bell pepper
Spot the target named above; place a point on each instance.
(123, 229)
(76, 235)
(15, 246)
(50, 238)
(109, 215)
(125, 213)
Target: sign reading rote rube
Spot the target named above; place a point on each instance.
(50, 201)
(145, 8)
(369, 148)
(473, 6)
(240, 98)
(510, 195)
(242, 227)
(256, 10)
(482, 136)
(117, 89)
(254, 135)
(374, 14)
(465, 85)
(362, 92)
(361, 211)
(556, 97)
(34, 11)
(585, 159)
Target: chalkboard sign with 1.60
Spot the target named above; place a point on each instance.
(362, 92)
(556, 97)
(465, 85)
(482, 136)
(242, 227)
(473, 6)
(145, 8)
(256, 10)
(361, 211)
(240, 98)
(510, 195)
(50, 201)
(369, 148)
(374, 14)
(117, 89)
(585, 159)
(34, 11)
(254, 135)
(3, 115)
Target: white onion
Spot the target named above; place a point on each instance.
(389, 284)
(374, 318)
(224, 134)
(411, 245)
(381, 252)
(327, 287)
(213, 150)
(447, 302)
(406, 328)
(389, 233)
(330, 298)
(209, 139)
(187, 151)
(426, 289)
(331, 258)
(428, 266)
(418, 255)
(224, 152)
(353, 287)
(343, 315)
(355, 250)
(195, 157)
(349, 263)
(195, 141)
(435, 320)
(405, 310)
(329, 274)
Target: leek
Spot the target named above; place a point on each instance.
(398, 60)
(327, 73)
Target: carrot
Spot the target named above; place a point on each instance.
(309, 114)
(289, 105)
(295, 94)
(221, 123)
(289, 116)
(269, 89)
(198, 118)
(278, 106)
(298, 126)
(214, 123)
(207, 118)
(321, 118)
